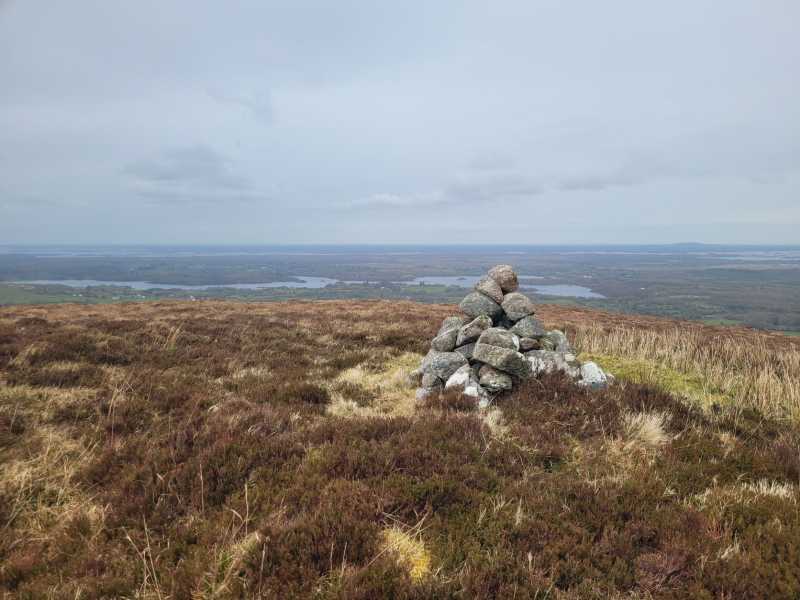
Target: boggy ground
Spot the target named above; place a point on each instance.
(224, 450)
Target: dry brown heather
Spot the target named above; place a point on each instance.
(217, 450)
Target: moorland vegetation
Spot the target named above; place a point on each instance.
(224, 450)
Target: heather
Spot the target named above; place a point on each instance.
(223, 450)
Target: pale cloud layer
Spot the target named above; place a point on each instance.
(450, 122)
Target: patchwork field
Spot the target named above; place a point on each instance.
(228, 450)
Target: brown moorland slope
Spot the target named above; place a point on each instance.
(217, 450)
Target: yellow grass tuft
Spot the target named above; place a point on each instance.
(645, 429)
(409, 550)
(764, 487)
(40, 487)
(389, 385)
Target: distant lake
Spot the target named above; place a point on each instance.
(305, 282)
(468, 281)
(308, 282)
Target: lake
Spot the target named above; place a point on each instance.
(308, 282)
(469, 281)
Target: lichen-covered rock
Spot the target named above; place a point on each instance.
(504, 359)
(475, 390)
(494, 380)
(549, 361)
(505, 277)
(496, 336)
(528, 327)
(453, 322)
(445, 341)
(442, 364)
(458, 379)
(473, 330)
(476, 304)
(559, 340)
(545, 343)
(526, 344)
(466, 350)
(489, 287)
(431, 381)
(592, 376)
(517, 306)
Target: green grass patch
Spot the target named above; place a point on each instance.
(17, 294)
(691, 386)
(721, 322)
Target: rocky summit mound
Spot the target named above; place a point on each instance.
(496, 343)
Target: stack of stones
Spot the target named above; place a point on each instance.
(497, 343)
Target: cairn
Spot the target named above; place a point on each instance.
(497, 343)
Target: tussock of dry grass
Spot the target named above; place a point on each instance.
(777, 489)
(388, 387)
(646, 430)
(748, 370)
(409, 550)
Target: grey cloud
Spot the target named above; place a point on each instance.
(491, 162)
(469, 190)
(259, 103)
(189, 174)
(498, 187)
(363, 121)
(597, 182)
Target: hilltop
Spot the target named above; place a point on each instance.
(221, 449)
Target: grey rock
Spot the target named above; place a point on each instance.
(517, 306)
(431, 381)
(459, 379)
(466, 350)
(472, 330)
(505, 277)
(529, 327)
(494, 380)
(559, 340)
(495, 336)
(549, 361)
(442, 364)
(504, 359)
(477, 391)
(526, 344)
(489, 287)
(451, 323)
(546, 343)
(476, 304)
(445, 341)
(593, 377)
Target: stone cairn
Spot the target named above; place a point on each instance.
(497, 343)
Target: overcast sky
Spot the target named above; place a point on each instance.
(399, 121)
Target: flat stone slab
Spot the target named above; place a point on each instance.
(476, 304)
(504, 359)
(505, 277)
(517, 306)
